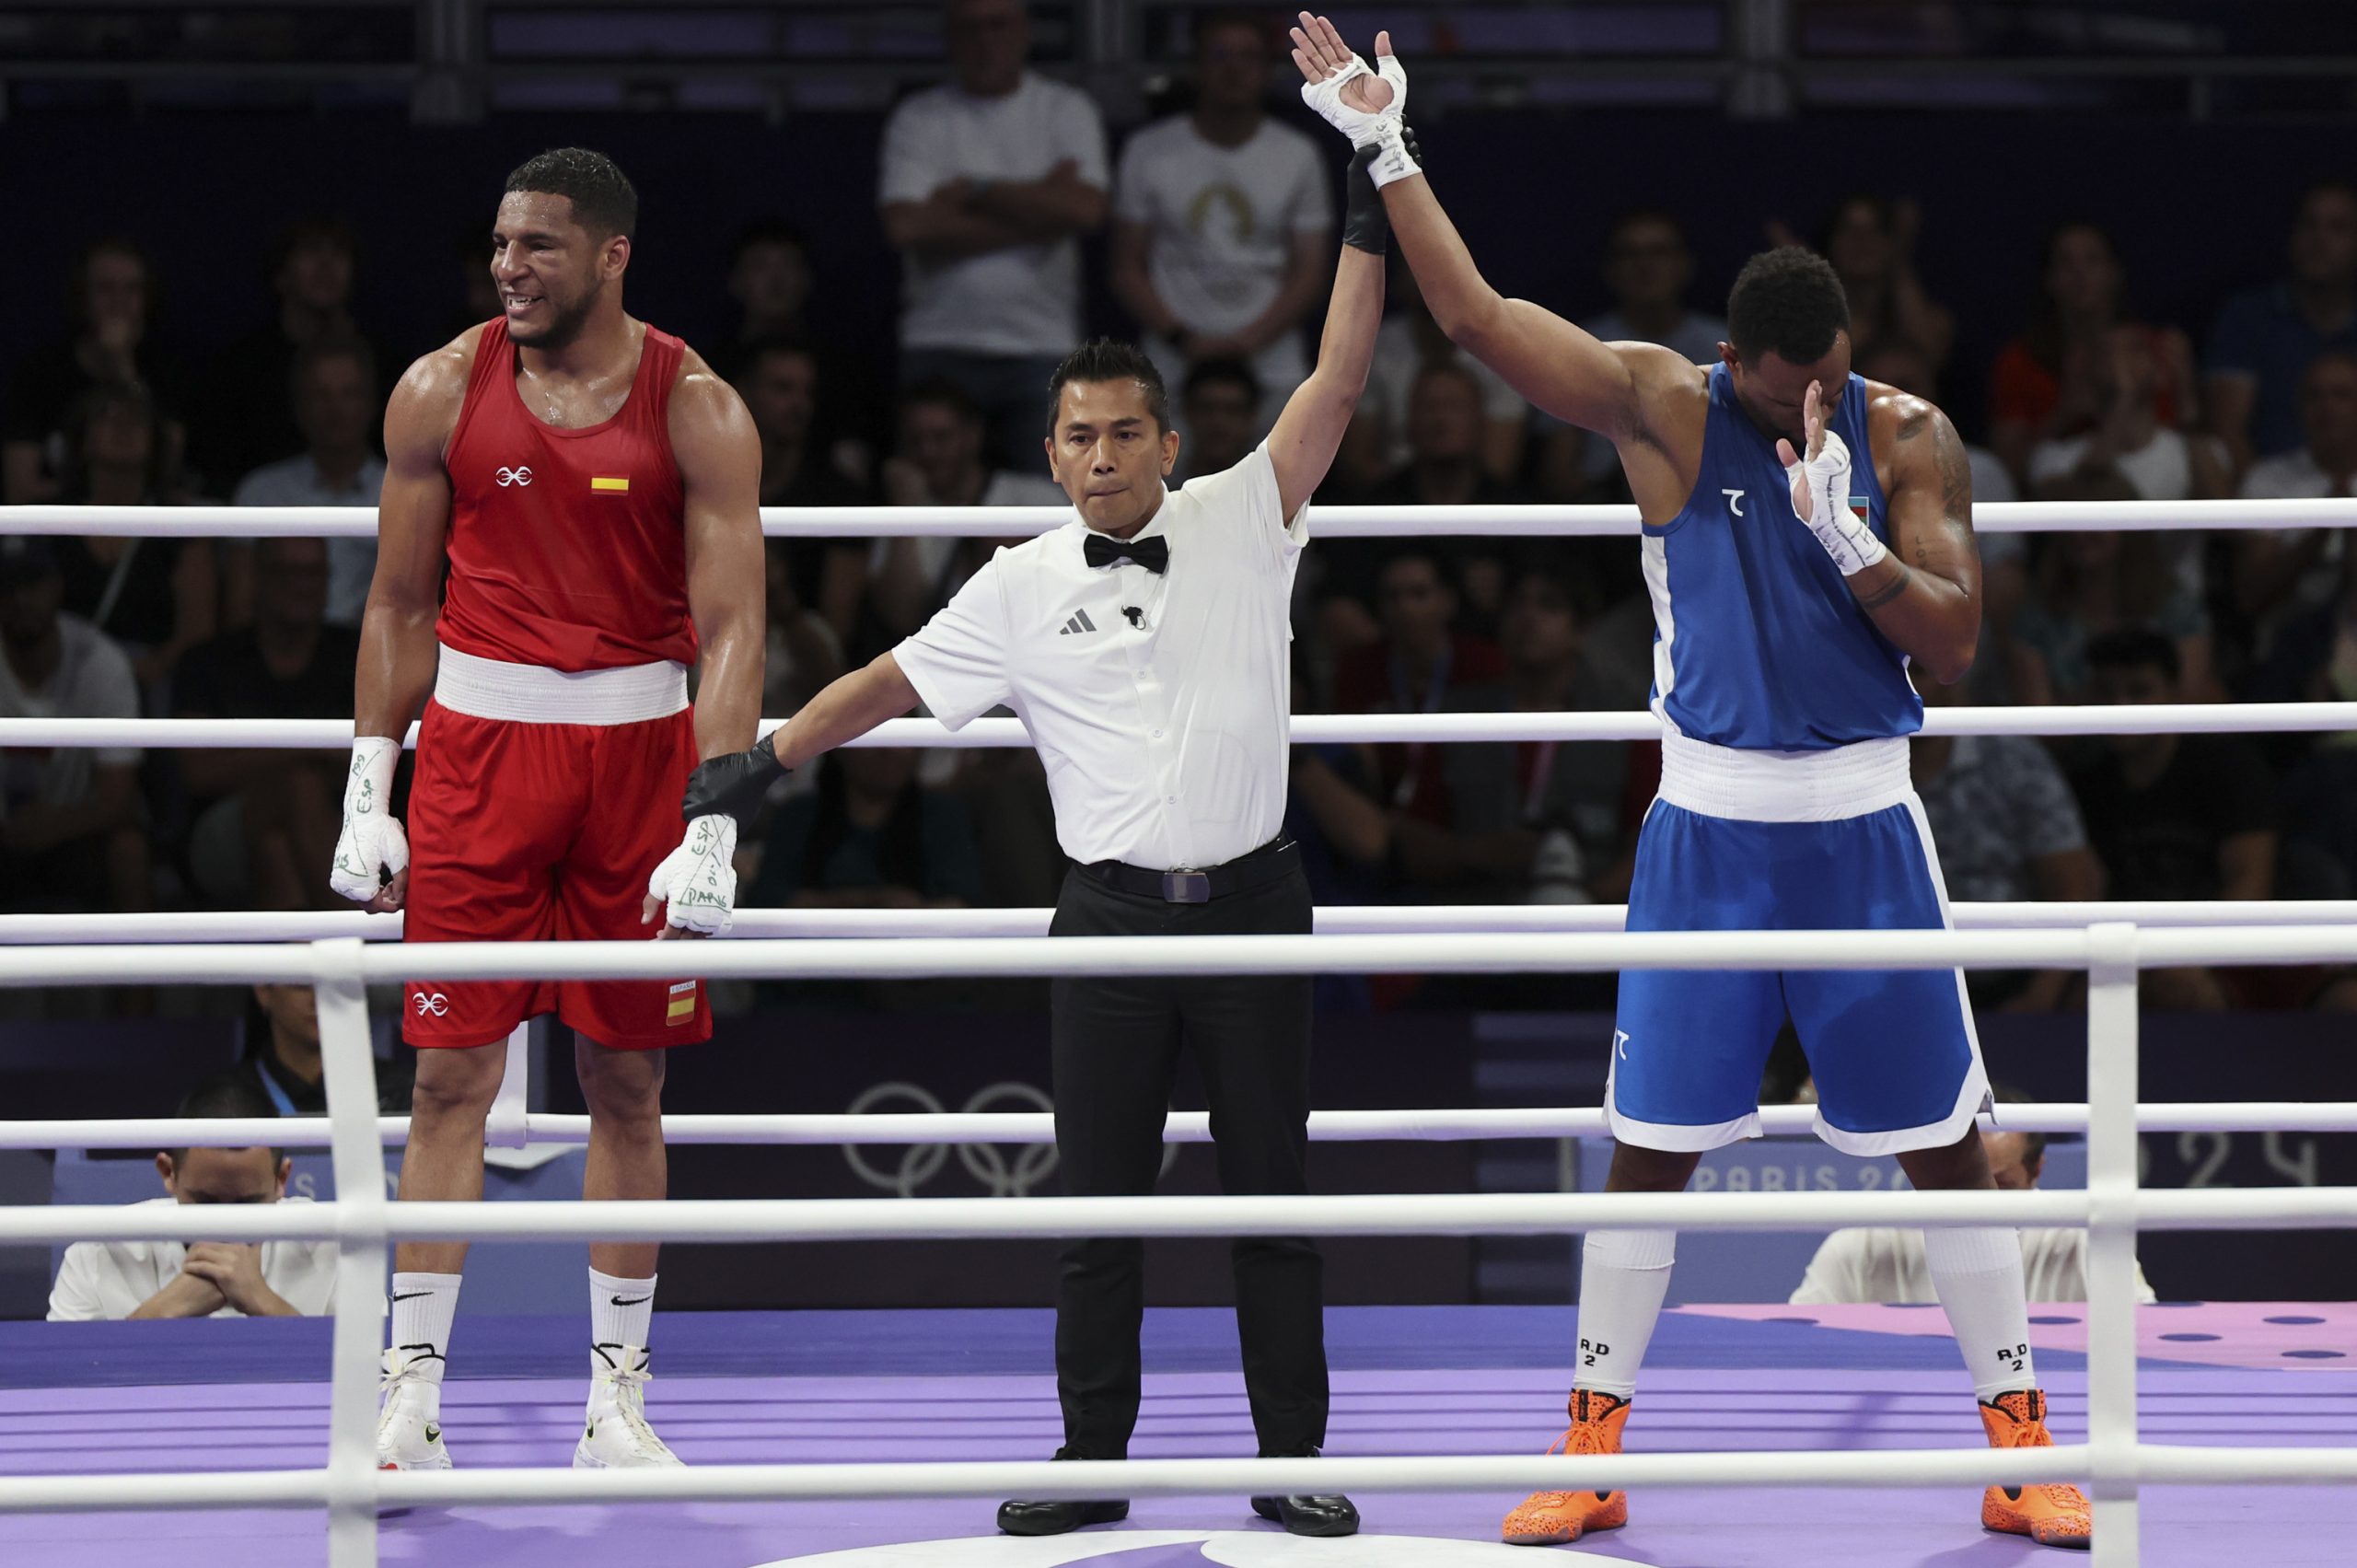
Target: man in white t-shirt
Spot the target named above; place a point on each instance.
(102, 1280)
(1222, 220)
(1886, 1265)
(69, 816)
(986, 183)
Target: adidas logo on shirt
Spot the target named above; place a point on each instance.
(1079, 623)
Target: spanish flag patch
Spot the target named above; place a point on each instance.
(604, 482)
(683, 1003)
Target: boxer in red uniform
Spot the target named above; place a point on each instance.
(593, 490)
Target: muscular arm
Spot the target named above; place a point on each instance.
(845, 710)
(1925, 594)
(397, 651)
(719, 453)
(1310, 431)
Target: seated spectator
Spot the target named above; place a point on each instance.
(1871, 242)
(2283, 573)
(769, 277)
(336, 407)
(2086, 585)
(940, 463)
(1222, 221)
(1531, 822)
(2175, 816)
(1420, 659)
(107, 1281)
(2129, 455)
(2266, 337)
(815, 585)
(112, 342)
(158, 597)
(1444, 469)
(870, 836)
(2051, 381)
(281, 1060)
(2007, 831)
(1886, 1265)
(1407, 343)
(270, 818)
(313, 263)
(987, 182)
(70, 832)
(1649, 267)
(1219, 413)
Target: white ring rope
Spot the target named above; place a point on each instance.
(983, 925)
(898, 1127)
(1636, 724)
(1326, 522)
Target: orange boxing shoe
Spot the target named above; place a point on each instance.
(1558, 1518)
(2051, 1514)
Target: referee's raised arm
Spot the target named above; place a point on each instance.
(1310, 429)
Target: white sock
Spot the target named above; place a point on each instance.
(1978, 1272)
(422, 1307)
(1624, 1274)
(621, 1312)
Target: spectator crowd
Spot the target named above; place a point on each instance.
(1216, 229)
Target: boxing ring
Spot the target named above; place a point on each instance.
(1441, 1442)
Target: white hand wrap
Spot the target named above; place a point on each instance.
(372, 847)
(1842, 532)
(698, 880)
(1385, 129)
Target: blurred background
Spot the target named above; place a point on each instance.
(2117, 242)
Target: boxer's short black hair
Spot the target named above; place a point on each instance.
(604, 201)
(1787, 302)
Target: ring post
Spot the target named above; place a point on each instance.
(2111, 1239)
(350, 1070)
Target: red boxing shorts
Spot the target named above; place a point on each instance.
(526, 829)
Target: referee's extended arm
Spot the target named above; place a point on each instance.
(1310, 429)
(849, 707)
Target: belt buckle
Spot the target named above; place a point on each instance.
(1185, 886)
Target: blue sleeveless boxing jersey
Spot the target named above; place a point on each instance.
(1758, 642)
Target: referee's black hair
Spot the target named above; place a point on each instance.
(604, 201)
(1787, 302)
(1109, 359)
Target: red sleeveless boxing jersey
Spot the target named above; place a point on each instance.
(567, 548)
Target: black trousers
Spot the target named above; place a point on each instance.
(1115, 1051)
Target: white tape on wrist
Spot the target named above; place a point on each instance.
(1844, 533)
(1381, 129)
(372, 847)
(698, 880)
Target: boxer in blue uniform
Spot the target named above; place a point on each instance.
(1808, 547)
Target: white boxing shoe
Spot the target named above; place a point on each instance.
(615, 1435)
(409, 1426)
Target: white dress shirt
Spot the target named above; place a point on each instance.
(1165, 737)
(1886, 1265)
(107, 1281)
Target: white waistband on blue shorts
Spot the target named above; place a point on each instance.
(1784, 786)
(532, 693)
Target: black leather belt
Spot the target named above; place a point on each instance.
(1191, 885)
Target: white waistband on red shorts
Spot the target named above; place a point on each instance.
(532, 693)
(1784, 786)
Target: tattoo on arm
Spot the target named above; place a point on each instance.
(1890, 591)
(1955, 475)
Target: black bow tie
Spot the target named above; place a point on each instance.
(1153, 554)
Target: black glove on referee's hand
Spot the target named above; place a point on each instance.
(1366, 225)
(733, 786)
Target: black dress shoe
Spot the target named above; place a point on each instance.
(1308, 1516)
(1059, 1518)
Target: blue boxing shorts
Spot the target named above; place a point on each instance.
(1757, 841)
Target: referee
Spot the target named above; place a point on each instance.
(1144, 646)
